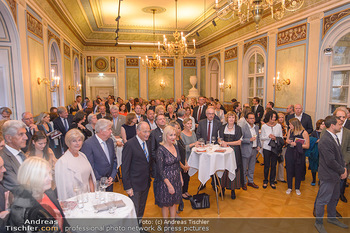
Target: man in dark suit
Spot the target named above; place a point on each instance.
(139, 116)
(99, 149)
(181, 117)
(149, 118)
(207, 129)
(109, 104)
(304, 118)
(103, 114)
(136, 168)
(14, 133)
(130, 104)
(199, 111)
(31, 128)
(331, 170)
(289, 111)
(63, 123)
(258, 111)
(237, 109)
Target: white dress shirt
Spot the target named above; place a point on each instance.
(15, 153)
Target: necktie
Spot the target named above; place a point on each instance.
(145, 151)
(114, 124)
(199, 114)
(337, 140)
(105, 149)
(29, 131)
(66, 124)
(208, 137)
(23, 157)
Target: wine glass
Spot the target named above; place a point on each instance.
(201, 142)
(103, 186)
(213, 139)
(220, 141)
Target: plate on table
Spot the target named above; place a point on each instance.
(220, 150)
(200, 150)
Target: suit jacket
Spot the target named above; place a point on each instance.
(181, 123)
(202, 129)
(195, 113)
(345, 145)
(347, 124)
(135, 167)
(306, 122)
(259, 112)
(57, 124)
(247, 145)
(12, 165)
(331, 164)
(116, 128)
(108, 110)
(155, 139)
(108, 116)
(97, 158)
(2, 198)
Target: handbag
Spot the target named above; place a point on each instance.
(200, 201)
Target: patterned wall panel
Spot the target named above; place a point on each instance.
(189, 62)
(262, 41)
(330, 20)
(34, 25)
(112, 62)
(231, 53)
(132, 62)
(51, 35)
(66, 50)
(292, 35)
(13, 7)
(216, 55)
(101, 64)
(88, 64)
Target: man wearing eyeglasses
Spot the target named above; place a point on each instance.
(31, 128)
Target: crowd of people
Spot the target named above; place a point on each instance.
(44, 158)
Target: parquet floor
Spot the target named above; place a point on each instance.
(253, 203)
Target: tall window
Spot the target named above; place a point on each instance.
(55, 70)
(256, 75)
(76, 73)
(340, 71)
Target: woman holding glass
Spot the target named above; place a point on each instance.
(269, 132)
(295, 156)
(168, 192)
(230, 135)
(73, 168)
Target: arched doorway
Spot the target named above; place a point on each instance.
(11, 82)
(214, 77)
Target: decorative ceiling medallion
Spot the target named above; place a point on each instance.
(157, 9)
(101, 64)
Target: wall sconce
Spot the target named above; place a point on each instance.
(162, 84)
(223, 86)
(76, 88)
(280, 82)
(52, 84)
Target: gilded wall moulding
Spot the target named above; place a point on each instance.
(66, 50)
(189, 62)
(262, 41)
(292, 35)
(75, 53)
(13, 6)
(51, 35)
(132, 62)
(112, 62)
(203, 62)
(330, 20)
(101, 64)
(216, 55)
(88, 64)
(231, 53)
(34, 25)
(170, 62)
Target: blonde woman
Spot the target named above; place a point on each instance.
(33, 198)
(295, 156)
(168, 192)
(73, 168)
(46, 126)
(159, 110)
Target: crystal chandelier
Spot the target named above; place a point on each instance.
(179, 47)
(155, 62)
(244, 9)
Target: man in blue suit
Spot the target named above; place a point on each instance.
(99, 150)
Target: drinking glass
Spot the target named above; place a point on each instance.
(213, 139)
(85, 193)
(97, 189)
(103, 186)
(201, 142)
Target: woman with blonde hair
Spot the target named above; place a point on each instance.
(168, 190)
(73, 168)
(297, 140)
(219, 112)
(45, 125)
(170, 114)
(33, 198)
(159, 110)
(230, 135)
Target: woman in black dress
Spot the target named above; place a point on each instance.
(295, 156)
(128, 130)
(168, 192)
(230, 135)
(79, 123)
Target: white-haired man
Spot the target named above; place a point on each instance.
(99, 149)
(14, 133)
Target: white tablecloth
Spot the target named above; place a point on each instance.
(88, 211)
(119, 155)
(207, 163)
